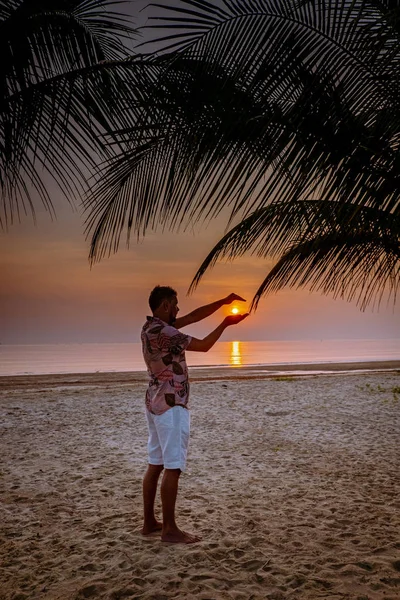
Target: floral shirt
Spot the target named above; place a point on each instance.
(164, 354)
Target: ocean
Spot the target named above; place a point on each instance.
(92, 358)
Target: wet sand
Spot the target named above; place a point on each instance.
(293, 483)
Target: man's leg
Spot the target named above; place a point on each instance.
(149, 493)
(169, 492)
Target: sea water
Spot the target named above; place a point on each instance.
(92, 358)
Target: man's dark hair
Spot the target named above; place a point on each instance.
(160, 293)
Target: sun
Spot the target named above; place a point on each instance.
(235, 311)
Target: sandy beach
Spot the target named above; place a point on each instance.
(293, 482)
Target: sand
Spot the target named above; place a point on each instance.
(293, 482)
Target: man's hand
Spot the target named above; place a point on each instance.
(205, 311)
(208, 342)
(232, 297)
(234, 319)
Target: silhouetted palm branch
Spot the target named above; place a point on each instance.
(58, 97)
(342, 249)
(260, 105)
(259, 101)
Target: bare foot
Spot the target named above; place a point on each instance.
(180, 537)
(151, 528)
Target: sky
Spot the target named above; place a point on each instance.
(49, 293)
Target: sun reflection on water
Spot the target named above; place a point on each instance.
(236, 356)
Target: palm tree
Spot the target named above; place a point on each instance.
(62, 78)
(288, 112)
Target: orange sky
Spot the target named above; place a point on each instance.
(50, 295)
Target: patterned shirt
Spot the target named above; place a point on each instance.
(164, 354)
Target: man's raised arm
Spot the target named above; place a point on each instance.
(208, 342)
(205, 311)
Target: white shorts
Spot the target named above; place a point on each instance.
(169, 438)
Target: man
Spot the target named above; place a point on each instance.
(167, 401)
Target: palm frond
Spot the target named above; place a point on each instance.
(258, 101)
(356, 268)
(58, 97)
(336, 248)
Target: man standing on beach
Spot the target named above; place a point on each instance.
(167, 401)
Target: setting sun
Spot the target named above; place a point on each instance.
(235, 311)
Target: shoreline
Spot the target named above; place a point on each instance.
(203, 373)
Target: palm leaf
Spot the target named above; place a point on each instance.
(57, 96)
(263, 100)
(342, 249)
(357, 268)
